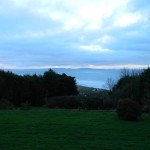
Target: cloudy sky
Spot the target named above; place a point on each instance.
(74, 33)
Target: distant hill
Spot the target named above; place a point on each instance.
(86, 90)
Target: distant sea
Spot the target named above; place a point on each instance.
(86, 77)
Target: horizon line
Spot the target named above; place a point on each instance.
(127, 66)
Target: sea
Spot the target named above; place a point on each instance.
(96, 78)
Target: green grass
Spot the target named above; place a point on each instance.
(43, 129)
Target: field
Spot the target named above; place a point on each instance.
(45, 129)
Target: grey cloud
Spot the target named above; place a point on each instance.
(62, 47)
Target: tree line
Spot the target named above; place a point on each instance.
(133, 85)
(35, 89)
(60, 91)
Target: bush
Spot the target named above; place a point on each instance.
(146, 109)
(4, 104)
(51, 103)
(128, 109)
(25, 106)
(91, 103)
(67, 102)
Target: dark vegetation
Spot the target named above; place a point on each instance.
(34, 89)
(53, 90)
(128, 110)
(133, 85)
(42, 128)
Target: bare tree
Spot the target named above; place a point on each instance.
(128, 72)
(109, 84)
(124, 72)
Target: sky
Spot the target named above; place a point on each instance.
(74, 34)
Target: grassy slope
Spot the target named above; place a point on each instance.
(85, 90)
(44, 129)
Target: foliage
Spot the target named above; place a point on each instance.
(103, 99)
(91, 103)
(4, 104)
(128, 110)
(67, 102)
(94, 101)
(145, 88)
(127, 87)
(25, 106)
(35, 89)
(134, 85)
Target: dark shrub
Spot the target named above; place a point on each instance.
(51, 103)
(128, 109)
(4, 104)
(101, 99)
(91, 103)
(68, 102)
(146, 109)
(25, 106)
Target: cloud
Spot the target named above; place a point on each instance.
(128, 66)
(71, 14)
(74, 33)
(128, 19)
(94, 48)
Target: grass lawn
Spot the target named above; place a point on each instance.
(44, 129)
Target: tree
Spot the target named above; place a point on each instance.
(33, 88)
(145, 88)
(109, 84)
